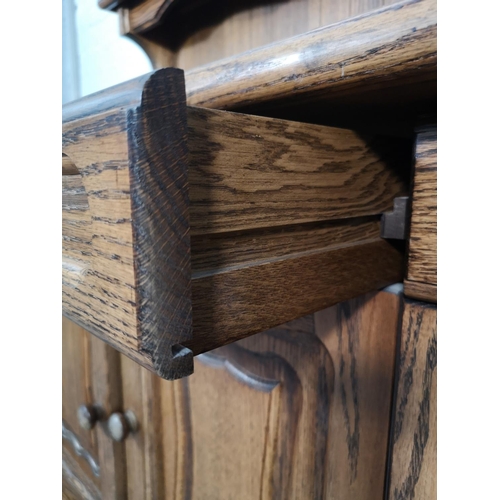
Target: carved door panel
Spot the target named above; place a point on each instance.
(298, 412)
(93, 464)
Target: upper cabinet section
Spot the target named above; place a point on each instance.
(185, 228)
(372, 72)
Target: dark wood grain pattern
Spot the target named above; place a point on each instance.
(376, 71)
(91, 375)
(422, 252)
(272, 396)
(347, 63)
(414, 428)
(255, 297)
(76, 391)
(272, 205)
(144, 450)
(247, 172)
(421, 291)
(299, 411)
(278, 206)
(96, 374)
(126, 259)
(107, 396)
(360, 336)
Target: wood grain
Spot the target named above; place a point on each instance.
(422, 250)
(421, 291)
(144, 449)
(131, 469)
(76, 484)
(272, 400)
(198, 32)
(414, 429)
(255, 297)
(277, 207)
(360, 336)
(126, 262)
(247, 172)
(76, 391)
(91, 375)
(348, 63)
(272, 204)
(299, 411)
(107, 391)
(376, 71)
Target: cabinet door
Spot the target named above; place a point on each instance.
(300, 411)
(93, 464)
(80, 470)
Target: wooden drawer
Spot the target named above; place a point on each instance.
(185, 228)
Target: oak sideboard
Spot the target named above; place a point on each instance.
(249, 274)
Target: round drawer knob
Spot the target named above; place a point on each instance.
(87, 416)
(120, 425)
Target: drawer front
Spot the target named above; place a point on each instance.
(126, 263)
(185, 229)
(421, 282)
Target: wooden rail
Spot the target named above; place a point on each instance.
(388, 56)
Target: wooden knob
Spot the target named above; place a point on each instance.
(87, 416)
(120, 425)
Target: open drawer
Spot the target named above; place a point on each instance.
(185, 228)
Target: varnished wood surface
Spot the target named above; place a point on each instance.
(76, 484)
(91, 375)
(300, 411)
(383, 59)
(76, 391)
(256, 297)
(131, 469)
(126, 261)
(108, 397)
(421, 291)
(422, 252)
(192, 33)
(144, 450)
(272, 205)
(360, 336)
(258, 188)
(413, 471)
(248, 172)
(376, 71)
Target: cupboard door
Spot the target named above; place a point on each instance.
(80, 472)
(299, 411)
(421, 280)
(93, 464)
(107, 390)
